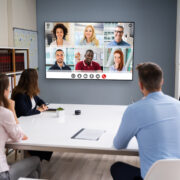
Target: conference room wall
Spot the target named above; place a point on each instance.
(155, 40)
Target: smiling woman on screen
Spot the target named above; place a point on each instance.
(89, 38)
(118, 61)
(60, 31)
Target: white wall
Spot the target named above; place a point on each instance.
(24, 14)
(16, 13)
(177, 64)
(4, 23)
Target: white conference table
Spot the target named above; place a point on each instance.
(47, 132)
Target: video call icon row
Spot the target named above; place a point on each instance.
(85, 76)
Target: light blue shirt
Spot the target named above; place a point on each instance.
(121, 43)
(112, 69)
(155, 121)
(84, 42)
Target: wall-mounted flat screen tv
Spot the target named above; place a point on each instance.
(77, 50)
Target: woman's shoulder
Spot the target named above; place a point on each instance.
(82, 42)
(36, 96)
(19, 95)
(53, 43)
(95, 42)
(5, 113)
(124, 68)
(65, 42)
(111, 68)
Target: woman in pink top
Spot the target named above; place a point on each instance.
(9, 128)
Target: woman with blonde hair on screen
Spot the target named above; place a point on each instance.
(89, 37)
(118, 61)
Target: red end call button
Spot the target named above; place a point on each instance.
(104, 76)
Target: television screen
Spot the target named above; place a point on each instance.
(101, 51)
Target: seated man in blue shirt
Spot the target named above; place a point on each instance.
(154, 120)
(118, 34)
(59, 64)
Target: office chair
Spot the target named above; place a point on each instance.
(166, 169)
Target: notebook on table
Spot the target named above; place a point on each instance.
(88, 134)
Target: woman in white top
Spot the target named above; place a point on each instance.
(9, 128)
(60, 31)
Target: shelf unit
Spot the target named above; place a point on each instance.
(12, 53)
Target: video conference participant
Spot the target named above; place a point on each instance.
(60, 31)
(89, 38)
(28, 103)
(77, 57)
(118, 61)
(118, 34)
(88, 64)
(9, 128)
(59, 64)
(152, 120)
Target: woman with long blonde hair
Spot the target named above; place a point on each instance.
(89, 37)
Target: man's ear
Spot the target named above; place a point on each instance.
(140, 85)
(162, 82)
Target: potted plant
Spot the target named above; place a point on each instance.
(60, 112)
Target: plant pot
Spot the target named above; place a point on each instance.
(60, 115)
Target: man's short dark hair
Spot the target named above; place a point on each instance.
(119, 26)
(59, 50)
(150, 75)
(89, 50)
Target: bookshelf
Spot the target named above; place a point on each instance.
(13, 61)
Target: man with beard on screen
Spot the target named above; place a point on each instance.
(118, 34)
(59, 64)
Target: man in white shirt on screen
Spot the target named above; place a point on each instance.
(154, 120)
